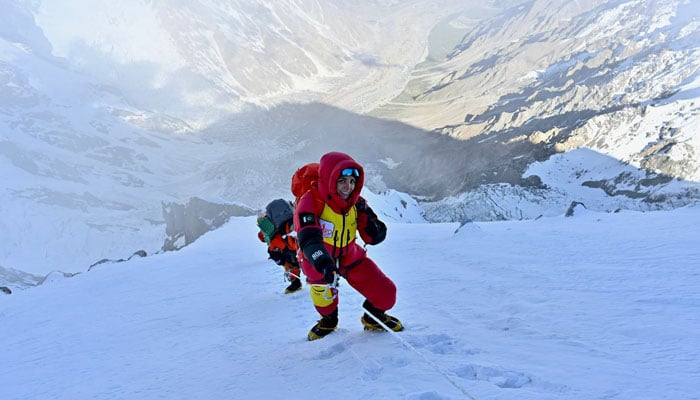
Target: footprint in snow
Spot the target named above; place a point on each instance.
(498, 376)
(440, 344)
(332, 351)
(371, 370)
(427, 396)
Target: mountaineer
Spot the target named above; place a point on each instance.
(328, 217)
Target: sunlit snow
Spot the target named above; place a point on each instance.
(588, 307)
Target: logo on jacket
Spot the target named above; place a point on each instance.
(327, 227)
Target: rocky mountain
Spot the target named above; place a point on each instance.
(545, 77)
(114, 115)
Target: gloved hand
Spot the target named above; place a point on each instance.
(289, 256)
(276, 256)
(376, 229)
(311, 243)
(328, 269)
(363, 208)
(361, 205)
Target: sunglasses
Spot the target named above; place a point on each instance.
(350, 172)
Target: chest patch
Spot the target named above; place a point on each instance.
(327, 227)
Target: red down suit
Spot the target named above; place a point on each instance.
(327, 225)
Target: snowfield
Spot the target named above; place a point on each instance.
(595, 306)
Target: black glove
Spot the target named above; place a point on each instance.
(318, 256)
(376, 229)
(361, 204)
(362, 207)
(328, 269)
(276, 256)
(290, 256)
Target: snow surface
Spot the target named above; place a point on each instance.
(596, 306)
(101, 116)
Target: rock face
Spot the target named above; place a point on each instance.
(94, 137)
(572, 208)
(186, 222)
(548, 76)
(139, 253)
(12, 279)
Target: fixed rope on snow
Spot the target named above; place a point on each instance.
(333, 288)
(432, 364)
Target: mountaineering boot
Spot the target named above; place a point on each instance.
(294, 286)
(324, 326)
(370, 324)
(391, 322)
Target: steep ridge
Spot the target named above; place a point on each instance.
(141, 107)
(600, 74)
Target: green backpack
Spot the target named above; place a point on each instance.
(267, 228)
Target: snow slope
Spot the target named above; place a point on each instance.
(596, 306)
(102, 130)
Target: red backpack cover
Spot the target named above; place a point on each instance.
(304, 179)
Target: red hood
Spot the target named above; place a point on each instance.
(328, 173)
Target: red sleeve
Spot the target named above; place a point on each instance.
(307, 208)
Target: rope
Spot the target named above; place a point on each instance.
(413, 349)
(329, 286)
(437, 368)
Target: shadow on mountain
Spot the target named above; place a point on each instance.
(428, 165)
(408, 159)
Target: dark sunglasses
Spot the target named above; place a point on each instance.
(350, 172)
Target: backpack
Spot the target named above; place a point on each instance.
(303, 180)
(279, 212)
